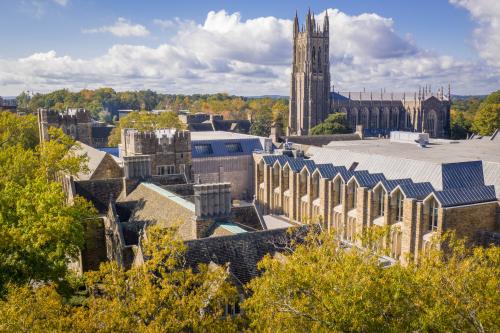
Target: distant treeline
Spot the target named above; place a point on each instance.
(104, 103)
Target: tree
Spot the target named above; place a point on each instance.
(335, 123)
(39, 232)
(321, 287)
(144, 121)
(487, 119)
(160, 296)
(262, 123)
(18, 129)
(460, 126)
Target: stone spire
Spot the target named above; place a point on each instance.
(296, 24)
(326, 23)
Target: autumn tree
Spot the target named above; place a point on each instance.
(163, 295)
(144, 121)
(487, 118)
(322, 287)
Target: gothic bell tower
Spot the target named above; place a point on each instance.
(310, 81)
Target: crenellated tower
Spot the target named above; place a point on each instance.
(310, 81)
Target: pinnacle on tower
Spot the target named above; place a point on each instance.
(296, 24)
(308, 20)
(326, 23)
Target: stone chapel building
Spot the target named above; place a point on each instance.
(311, 100)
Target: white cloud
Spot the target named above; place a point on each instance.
(251, 57)
(61, 2)
(487, 34)
(121, 28)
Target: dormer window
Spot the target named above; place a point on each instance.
(433, 215)
(380, 202)
(337, 192)
(399, 206)
(353, 189)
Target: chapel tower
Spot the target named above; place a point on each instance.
(310, 81)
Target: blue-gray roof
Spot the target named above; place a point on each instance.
(329, 171)
(463, 174)
(219, 148)
(366, 179)
(463, 183)
(416, 190)
(393, 183)
(466, 196)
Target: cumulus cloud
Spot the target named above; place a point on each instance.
(121, 28)
(487, 35)
(252, 57)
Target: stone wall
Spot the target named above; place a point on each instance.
(94, 251)
(468, 220)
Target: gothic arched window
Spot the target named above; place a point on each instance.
(319, 59)
(314, 57)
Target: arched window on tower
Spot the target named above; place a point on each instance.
(314, 58)
(319, 60)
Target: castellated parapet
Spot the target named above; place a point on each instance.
(169, 149)
(76, 123)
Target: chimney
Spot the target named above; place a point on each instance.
(212, 201)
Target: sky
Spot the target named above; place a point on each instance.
(245, 47)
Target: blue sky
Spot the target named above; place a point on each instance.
(244, 47)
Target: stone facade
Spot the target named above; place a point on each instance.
(352, 202)
(311, 99)
(310, 81)
(169, 150)
(76, 123)
(379, 114)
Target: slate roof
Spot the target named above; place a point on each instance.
(416, 190)
(462, 183)
(366, 179)
(242, 251)
(390, 185)
(219, 147)
(329, 171)
(466, 196)
(463, 174)
(95, 158)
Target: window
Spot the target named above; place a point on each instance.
(433, 215)
(399, 206)
(232, 309)
(338, 192)
(354, 194)
(380, 202)
(234, 147)
(203, 149)
(165, 169)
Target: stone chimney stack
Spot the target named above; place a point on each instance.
(212, 201)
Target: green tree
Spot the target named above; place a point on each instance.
(321, 287)
(144, 121)
(160, 296)
(487, 119)
(262, 123)
(39, 232)
(460, 126)
(335, 123)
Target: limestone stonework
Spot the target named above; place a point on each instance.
(349, 203)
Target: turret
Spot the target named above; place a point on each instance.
(295, 25)
(309, 22)
(326, 24)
